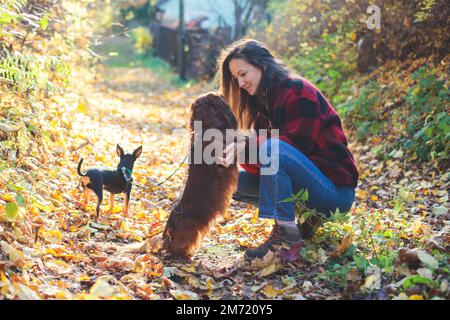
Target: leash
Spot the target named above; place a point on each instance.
(157, 185)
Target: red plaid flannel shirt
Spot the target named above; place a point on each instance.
(306, 120)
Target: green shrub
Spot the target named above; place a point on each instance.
(363, 111)
(143, 40)
(30, 74)
(428, 130)
(9, 11)
(325, 65)
(424, 113)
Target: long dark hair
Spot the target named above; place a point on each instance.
(245, 107)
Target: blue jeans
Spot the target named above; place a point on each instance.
(296, 172)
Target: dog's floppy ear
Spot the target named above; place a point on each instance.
(119, 151)
(231, 118)
(137, 152)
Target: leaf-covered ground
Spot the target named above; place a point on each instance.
(393, 244)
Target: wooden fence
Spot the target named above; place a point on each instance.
(202, 47)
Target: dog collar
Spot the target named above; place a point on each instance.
(124, 171)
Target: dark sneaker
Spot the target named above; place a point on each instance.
(310, 226)
(280, 235)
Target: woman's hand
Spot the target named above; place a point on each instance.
(230, 153)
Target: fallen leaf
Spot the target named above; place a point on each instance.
(307, 285)
(25, 293)
(16, 257)
(426, 273)
(270, 292)
(102, 289)
(191, 268)
(118, 264)
(184, 295)
(373, 279)
(342, 247)
(440, 211)
(268, 270)
(322, 256)
(58, 266)
(401, 296)
(428, 260)
(353, 275)
(291, 255)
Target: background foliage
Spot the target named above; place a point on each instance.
(392, 82)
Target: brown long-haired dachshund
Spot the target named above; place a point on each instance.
(209, 187)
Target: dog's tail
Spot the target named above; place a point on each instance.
(79, 168)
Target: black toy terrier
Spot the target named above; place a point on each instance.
(114, 181)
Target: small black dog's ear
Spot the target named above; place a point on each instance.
(119, 151)
(137, 152)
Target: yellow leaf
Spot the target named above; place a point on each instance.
(243, 242)
(416, 227)
(116, 209)
(7, 197)
(377, 139)
(171, 196)
(210, 286)
(34, 212)
(255, 217)
(124, 226)
(83, 278)
(361, 194)
(190, 269)
(348, 228)
(54, 123)
(82, 108)
(370, 281)
(56, 195)
(100, 158)
(60, 146)
(160, 214)
(415, 297)
(374, 198)
(54, 236)
(61, 295)
(193, 281)
(268, 270)
(270, 292)
(227, 215)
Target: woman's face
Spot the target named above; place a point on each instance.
(247, 75)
